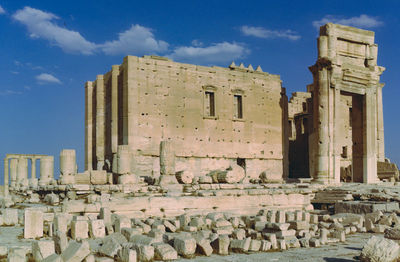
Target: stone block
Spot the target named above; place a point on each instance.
(314, 242)
(53, 258)
(61, 223)
(282, 244)
(60, 241)
(121, 222)
(379, 228)
(33, 223)
(280, 216)
(255, 245)
(164, 252)
(110, 248)
(239, 234)
(380, 249)
(272, 238)
(185, 245)
(41, 249)
(145, 253)
(75, 252)
(129, 232)
(240, 245)
(10, 217)
(203, 246)
(105, 214)
(169, 227)
(97, 228)
(286, 233)
(127, 254)
(304, 242)
(392, 233)
(79, 229)
(299, 225)
(98, 177)
(265, 245)
(16, 254)
(339, 234)
(221, 245)
(271, 216)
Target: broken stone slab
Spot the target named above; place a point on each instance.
(129, 232)
(110, 248)
(365, 207)
(380, 249)
(185, 245)
(255, 245)
(16, 254)
(33, 223)
(42, 249)
(126, 254)
(53, 258)
(169, 227)
(240, 245)
(143, 240)
(10, 216)
(203, 246)
(60, 241)
(61, 222)
(121, 222)
(75, 252)
(97, 228)
(221, 245)
(265, 245)
(164, 252)
(79, 229)
(392, 233)
(145, 253)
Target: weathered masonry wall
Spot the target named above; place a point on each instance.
(213, 116)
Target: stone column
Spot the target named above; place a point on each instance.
(46, 170)
(336, 127)
(114, 108)
(22, 170)
(67, 166)
(13, 171)
(88, 126)
(100, 122)
(370, 130)
(322, 151)
(381, 138)
(33, 168)
(167, 158)
(123, 160)
(6, 176)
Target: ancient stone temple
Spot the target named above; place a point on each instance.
(214, 118)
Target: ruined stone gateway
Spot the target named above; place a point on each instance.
(183, 159)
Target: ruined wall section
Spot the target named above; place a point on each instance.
(167, 101)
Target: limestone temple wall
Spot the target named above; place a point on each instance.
(214, 117)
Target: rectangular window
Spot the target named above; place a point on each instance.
(350, 117)
(344, 151)
(209, 103)
(238, 106)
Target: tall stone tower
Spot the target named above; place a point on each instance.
(347, 105)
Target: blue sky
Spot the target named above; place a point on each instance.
(49, 49)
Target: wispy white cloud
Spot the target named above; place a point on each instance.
(216, 53)
(136, 40)
(9, 92)
(42, 24)
(262, 32)
(47, 78)
(2, 11)
(363, 21)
